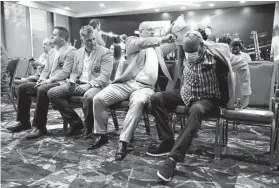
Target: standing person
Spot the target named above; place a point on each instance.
(136, 83)
(91, 73)
(55, 72)
(210, 36)
(96, 24)
(207, 84)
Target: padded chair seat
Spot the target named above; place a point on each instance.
(263, 116)
(185, 110)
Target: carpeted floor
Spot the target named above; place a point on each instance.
(59, 161)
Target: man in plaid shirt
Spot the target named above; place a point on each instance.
(207, 84)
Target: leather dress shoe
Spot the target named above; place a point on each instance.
(121, 151)
(38, 133)
(99, 141)
(76, 128)
(19, 127)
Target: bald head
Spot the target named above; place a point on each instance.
(146, 29)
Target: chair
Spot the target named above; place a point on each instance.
(11, 71)
(261, 100)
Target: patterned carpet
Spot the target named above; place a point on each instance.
(59, 161)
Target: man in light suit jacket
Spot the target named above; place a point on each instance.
(91, 73)
(57, 69)
(136, 83)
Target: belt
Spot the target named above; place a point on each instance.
(143, 83)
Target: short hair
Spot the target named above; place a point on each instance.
(63, 32)
(86, 31)
(94, 23)
(204, 36)
(225, 39)
(47, 41)
(208, 28)
(192, 40)
(236, 43)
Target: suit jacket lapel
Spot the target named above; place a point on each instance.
(81, 59)
(162, 63)
(92, 60)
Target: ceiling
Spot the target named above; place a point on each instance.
(82, 9)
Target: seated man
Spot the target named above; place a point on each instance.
(239, 62)
(40, 64)
(136, 83)
(207, 84)
(55, 72)
(90, 74)
(96, 24)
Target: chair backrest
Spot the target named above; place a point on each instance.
(11, 69)
(23, 68)
(262, 83)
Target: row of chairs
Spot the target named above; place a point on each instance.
(263, 101)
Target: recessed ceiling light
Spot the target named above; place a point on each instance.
(102, 5)
(242, 1)
(211, 5)
(157, 10)
(67, 8)
(183, 8)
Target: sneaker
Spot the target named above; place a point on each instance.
(166, 171)
(163, 149)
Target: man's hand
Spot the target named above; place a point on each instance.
(169, 38)
(81, 89)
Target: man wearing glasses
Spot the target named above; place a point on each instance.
(207, 84)
(136, 84)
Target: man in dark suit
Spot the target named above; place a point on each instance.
(56, 70)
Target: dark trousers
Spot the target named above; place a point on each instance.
(25, 92)
(161, 104)
(59, 96)
(197, 111)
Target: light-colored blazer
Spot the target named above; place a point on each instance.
(60, 68)
(136, 55)
(100, 66)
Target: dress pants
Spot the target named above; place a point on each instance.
(138, 95)
(58, 97)
(197, 110)
(161, 104)
(25, 92)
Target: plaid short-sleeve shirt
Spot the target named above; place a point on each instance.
(200, 80)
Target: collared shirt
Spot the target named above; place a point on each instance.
(149, 73)
(200, 80)
(86, 62)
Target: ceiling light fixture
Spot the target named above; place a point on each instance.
(211, 5)
(67, 8)
(183, 8)
(157, 10)
(242, 1)
(102, 5)
(192, 4)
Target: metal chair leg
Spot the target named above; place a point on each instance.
(114, 118)
(217, 144)
(146, 122)
(65, 125)
(173, 122)
(11, 99)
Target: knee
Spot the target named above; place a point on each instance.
(137, 103)
(51, 94)
(98, 99)
(196, 109)
(155, 98)
(88, 98)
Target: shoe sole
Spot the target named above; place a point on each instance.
(157, 155)
(162, 177)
